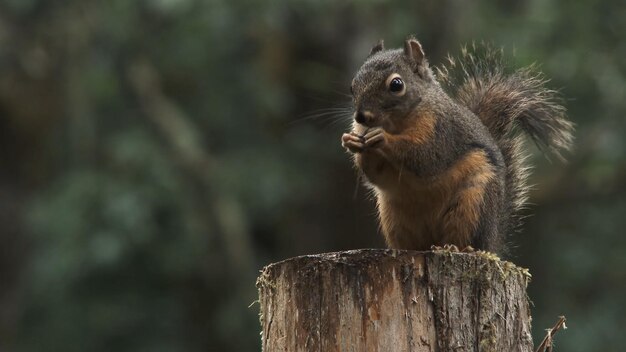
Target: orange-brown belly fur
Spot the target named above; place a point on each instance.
(416, 213)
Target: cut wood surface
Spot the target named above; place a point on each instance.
(392, 300)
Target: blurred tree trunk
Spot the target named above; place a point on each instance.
(387, 300)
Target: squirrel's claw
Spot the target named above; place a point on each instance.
(356, 143)
(374, 136)
(446, 247)
(352, 142)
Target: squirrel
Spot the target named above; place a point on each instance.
(441, 150)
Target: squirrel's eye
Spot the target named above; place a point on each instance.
(396, 85)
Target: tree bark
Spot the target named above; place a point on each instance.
(392, 300)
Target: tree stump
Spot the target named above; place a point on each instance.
(393, 300)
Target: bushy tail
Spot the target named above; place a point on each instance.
(506, 103)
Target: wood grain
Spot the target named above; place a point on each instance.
(394, 300)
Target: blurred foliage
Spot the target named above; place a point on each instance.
(155, 154)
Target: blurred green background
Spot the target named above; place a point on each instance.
(155, 154)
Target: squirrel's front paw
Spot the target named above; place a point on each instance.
(374, 137)
(355, 143)
(352, 142)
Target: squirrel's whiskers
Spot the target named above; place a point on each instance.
(328, 116)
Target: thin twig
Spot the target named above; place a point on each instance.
(546, 344)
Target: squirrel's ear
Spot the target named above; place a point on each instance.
(413, 49)
(378, 47)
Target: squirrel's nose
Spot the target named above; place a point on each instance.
(363, 116)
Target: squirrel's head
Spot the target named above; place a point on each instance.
(390, 85)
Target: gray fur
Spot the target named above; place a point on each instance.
(503, 101)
